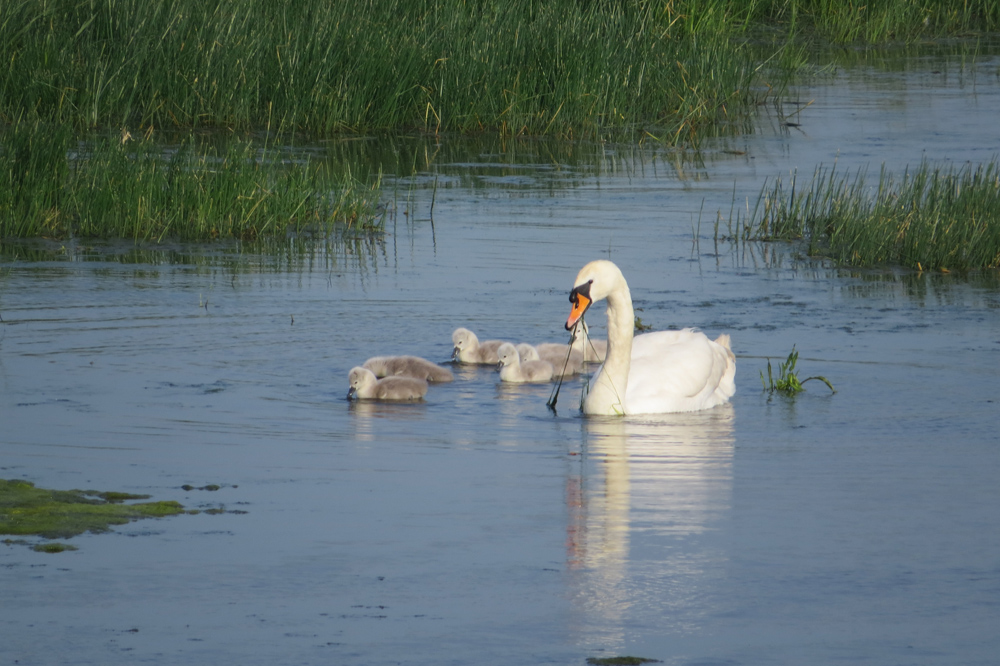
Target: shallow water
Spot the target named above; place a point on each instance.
(478, 527)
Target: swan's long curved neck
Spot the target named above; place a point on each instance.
(607, 396)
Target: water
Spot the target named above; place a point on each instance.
(479, 528)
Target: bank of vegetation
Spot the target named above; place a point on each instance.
(927, 218)
(669, 70)
(54, 186)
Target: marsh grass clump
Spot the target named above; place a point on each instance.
(61, 514)
(788, 381)
(928, 219)
(53, 185)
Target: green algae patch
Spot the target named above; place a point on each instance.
(61, 514)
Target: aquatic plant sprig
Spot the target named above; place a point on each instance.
(788, 381)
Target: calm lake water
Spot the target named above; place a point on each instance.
(479, 527)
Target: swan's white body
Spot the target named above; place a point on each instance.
(513, 369)
(366, 386)
(653, 373)
(468, 348)
(408, 366)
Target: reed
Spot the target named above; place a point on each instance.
(929, 218)
(52, 185)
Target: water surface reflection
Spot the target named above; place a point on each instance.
(648, 488)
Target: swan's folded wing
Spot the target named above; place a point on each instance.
(676, 371)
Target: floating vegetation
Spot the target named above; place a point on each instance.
(788, 381)
(620, 661)
(61, 514)
(54, 186)
(929, 219)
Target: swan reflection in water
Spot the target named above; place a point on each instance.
(646, 488)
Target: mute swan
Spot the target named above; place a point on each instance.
(468, 348)
(408, 366)
(366, 386)
(555, 354)
(654, 373)
(513, 370)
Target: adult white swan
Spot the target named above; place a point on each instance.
(654, 373)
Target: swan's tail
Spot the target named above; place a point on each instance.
(727, 385)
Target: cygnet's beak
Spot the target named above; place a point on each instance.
(499, 366)
(580, 298)
(454, 353)
(350, 393)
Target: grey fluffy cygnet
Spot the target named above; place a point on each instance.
(513, 370)
(408, 366)
(593, 350)
(554, 354)
(468, 348)
(366, 386)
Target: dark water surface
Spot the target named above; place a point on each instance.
(478, 527)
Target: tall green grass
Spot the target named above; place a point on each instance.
(929, 218)
(867, 22)
(561, 67)
(52, 185)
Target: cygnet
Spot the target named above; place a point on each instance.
(561, 366)
(408, 366)
(512, 369)
(366, 386)
(593, 350)
(468, 348)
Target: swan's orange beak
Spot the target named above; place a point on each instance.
(580, 298)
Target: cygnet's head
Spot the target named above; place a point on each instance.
(507, 353)
(527, 352)
(359, 379)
